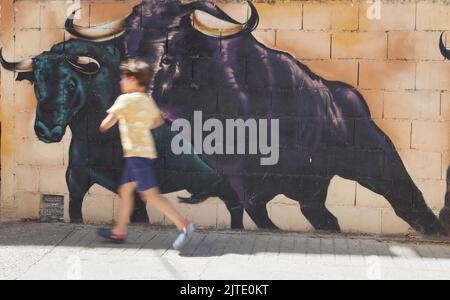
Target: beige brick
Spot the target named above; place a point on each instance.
(98, 210)
(24, 125)
(101, 191)
(66, 146)
(367, 45)
(341, 192)
(26, 45)
(24, 97)
(156, 216)
(7, 18)
(280, 15)
(433, 16)
(445, 106)
(50, 38)
(27, 14)
(358, 220)
(223, 217)
(433, 75)
(434, 192)
(414, 45)
(375, 100)
(116, 10)
(8, 141)
(52, 180)
(324, 16)
(394, 225)
(422, 165)
(394, 16)
(28, 205)
(303, 44)
(339, 70)
(387, 75)
(289, 217)
(432, 136)
(398, 131)
(367, 198)
(185, 210)
(422, 105)
(26, 179)
(204, 215)
(267, 37)
(32, 152)
(8, 188)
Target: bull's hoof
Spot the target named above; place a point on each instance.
(76, 220)
(237, 226)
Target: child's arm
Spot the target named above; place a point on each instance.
(158, 122)
(108, 122)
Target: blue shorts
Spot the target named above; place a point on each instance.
(139, 170)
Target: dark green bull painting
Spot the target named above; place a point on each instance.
(325, 130)
(75, 83)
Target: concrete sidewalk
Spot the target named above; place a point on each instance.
(65, 251)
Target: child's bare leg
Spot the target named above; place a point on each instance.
(126, 193)
(153, 197)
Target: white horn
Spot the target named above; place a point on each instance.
(214, 26)
(22, 66)
(98, 33)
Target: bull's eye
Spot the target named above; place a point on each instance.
(166, 61)
(84, 64)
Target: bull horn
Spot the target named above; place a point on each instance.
(213, 25)
(98, 33)
(22, 66)
(444, 50)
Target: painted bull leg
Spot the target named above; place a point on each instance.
(374, 162)
(258, 213)
(311, 196)
(78, 184)
(235, 209)
(404, 196)
(256, 207)
(253, 203)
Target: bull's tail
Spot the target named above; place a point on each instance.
(444, 215)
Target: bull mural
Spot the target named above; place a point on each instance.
(206, 61)
(75, 83)
(325, 126)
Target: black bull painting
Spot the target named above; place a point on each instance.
(206, 61)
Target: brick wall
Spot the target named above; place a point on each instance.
(394, 62)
